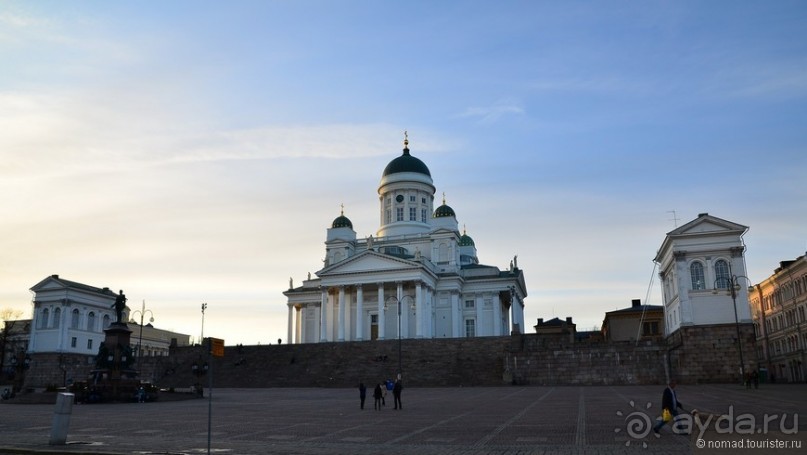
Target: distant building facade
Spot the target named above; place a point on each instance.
(779, 304)
(418, 273)
(563, 329)
(636, 323)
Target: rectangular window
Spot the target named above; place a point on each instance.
(399, 213)
(89, 344)
(388, 216)
(469, 304)
(413, 214)
(650, 328)
(423, 200)
(73, 342)
(412, 198)
(422, 215)
(470, 328)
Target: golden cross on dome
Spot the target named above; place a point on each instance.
(406, 139)
(444, 198)
(343, 208)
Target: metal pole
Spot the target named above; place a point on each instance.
(202, 338)
(140, 341)
(737, 326)
(209, 393)
(399, 338)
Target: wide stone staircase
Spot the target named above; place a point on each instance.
(445, 362)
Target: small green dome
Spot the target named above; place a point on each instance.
(342, 221)
(444, 211)
(466, 240)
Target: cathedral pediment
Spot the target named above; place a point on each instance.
(707, 224)
(369, 261)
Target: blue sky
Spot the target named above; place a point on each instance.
(192, 152)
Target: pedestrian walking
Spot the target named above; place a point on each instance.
(362, 394)
(377, 397)
(669, 407)
(396, 393)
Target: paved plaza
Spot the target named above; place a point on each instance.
(491, 420)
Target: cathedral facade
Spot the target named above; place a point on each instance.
(418, 277)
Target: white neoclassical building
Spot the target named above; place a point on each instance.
(418, 273)
(698, 263)
(70, 318)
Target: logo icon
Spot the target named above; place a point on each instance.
(638, 424)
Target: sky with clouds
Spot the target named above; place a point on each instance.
(197, 151)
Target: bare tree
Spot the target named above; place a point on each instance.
(8, 319)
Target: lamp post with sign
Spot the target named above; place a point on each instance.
(142, 312)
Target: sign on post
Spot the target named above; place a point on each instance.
(217, 347)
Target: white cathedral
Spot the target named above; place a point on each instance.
(418, 277)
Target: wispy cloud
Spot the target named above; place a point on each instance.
(494, 113)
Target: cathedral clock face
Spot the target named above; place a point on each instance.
(399, 198)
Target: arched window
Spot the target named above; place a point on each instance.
(91, 322)
(696, 274)
(74, 319)
(106, 321)
(57, 318)
(43, 318)
(722, 275)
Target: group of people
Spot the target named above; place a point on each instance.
(380, 394)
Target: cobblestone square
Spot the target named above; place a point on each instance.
(492, 420)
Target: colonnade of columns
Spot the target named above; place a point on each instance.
(338, 319)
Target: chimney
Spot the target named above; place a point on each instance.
(55, 276)
(702, 214)
(635, 303)
(540, 321)
(569, 320)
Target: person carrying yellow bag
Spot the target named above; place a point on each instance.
(669, 406)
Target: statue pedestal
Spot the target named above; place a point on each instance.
(114, 380)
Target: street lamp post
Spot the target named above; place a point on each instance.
(734, 286)
(204, 307)
(399, 302)
(142, 312)
(19, 363)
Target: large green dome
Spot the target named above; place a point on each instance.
(406, 163)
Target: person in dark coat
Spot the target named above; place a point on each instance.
(669, 402)
(396, 393)
(362, 394)
(377, 396)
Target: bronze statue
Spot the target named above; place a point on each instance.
(120, 305)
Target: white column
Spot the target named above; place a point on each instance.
(403, 313)
(497, 316)
(418, 311)
(359, 312)
(323, 317)
(289, 338)
(432, 312)
(299, 325)
(341, 332)
(456, 315)
(382, 319)
(479, 300)
(521, 316)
